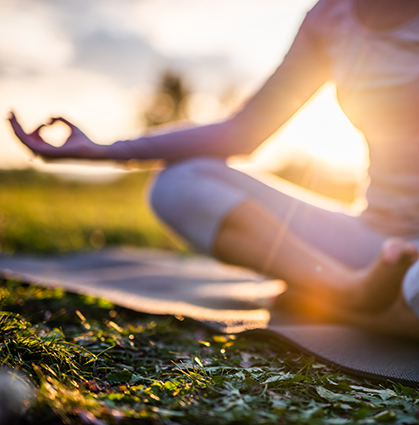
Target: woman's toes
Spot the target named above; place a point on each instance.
(393, 250)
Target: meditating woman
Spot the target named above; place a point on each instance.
(352, 267)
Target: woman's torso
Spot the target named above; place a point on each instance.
(376, 72)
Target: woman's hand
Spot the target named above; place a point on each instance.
(78, 145)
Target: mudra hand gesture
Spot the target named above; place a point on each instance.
(77, 145)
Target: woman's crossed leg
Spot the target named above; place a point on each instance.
(328, 255)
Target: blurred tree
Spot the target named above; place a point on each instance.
(167, 105)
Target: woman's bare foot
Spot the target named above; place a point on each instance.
(376, 287)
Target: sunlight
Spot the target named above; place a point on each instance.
(321, 130)
(232, 45)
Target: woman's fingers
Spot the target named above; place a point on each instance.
(35, 133)
(63, 120)
(52, 120)
(33, 141)
(17, 128)
(77, 145)
(74, 129)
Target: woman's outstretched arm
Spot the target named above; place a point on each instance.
(302, 72)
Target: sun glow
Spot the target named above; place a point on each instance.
(321, 130)
(231, 45)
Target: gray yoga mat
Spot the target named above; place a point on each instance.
(227, 298)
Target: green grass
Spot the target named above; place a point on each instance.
(40, 213)
(89, 359)
(83, 360)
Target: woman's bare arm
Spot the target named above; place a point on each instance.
(300, 75)
(302, 72)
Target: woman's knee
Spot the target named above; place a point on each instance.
(193, 197)
(178, 185)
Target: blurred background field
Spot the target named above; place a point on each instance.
(41, 213)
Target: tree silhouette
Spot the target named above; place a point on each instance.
(167, 105)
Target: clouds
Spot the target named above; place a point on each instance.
(253, 34)
(91, 59)
(124, 57)
(30, 40)
(40, 36)
(103, 35)
(128, 40)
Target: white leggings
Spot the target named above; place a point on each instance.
(194, 197)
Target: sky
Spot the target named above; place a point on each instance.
(96, 63)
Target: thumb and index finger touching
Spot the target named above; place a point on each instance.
(33, 140)
(23, 136)
(64, 121)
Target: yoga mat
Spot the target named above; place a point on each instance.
(227, 298)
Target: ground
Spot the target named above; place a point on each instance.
(84, 360)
